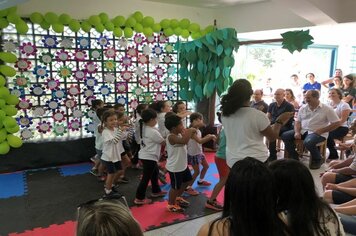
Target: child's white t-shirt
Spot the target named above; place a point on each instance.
(161, 127)
(195, 148)
(177, 156)
(137, 129)
(96, 122)
(152, 140)
(98, 140)
(111, 149)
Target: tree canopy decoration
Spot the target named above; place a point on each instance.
(296, 40)
(205, 64)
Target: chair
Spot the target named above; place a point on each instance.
(301, 149)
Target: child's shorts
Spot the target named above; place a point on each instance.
(178, 178)
(112, 167)
(222, 167)
(196, 159)
(99, 153)
(126, 146)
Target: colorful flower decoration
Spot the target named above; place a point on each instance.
(9, 45)
(23, 64)
(109, 65)
(105, 90)
(89, 100)
(83, 42)
(110, 52)
(44, 127)
(59, 129)
(170, 94)
(157, 85)
(159, 72)
(90, 128)
(80, 55)
(121, 87)
(155, 61)
(139, 72)
(52, 84)
(38, 111)
(90, 82)
(142, 59)
(169, 48)
(138, 91)
(171, 70)
(132, 52)
(77, 113)
(91, 67)
(74, 125)
(26, 134)
(126, 75)
(122, 42)
(50, 41)
(52, 104)
(162, 38)
(80, 74)
(87, 92)
(126, 61)
(24, 121)
(121, 100)
(151, 39)
(28, 49)
(133, 103)
(158, 50)
(167, 59)
(95, 54)
(147, 98)
(109, 78)
(37, 90)
(159, 97)
(21, 81)
(24, 104)
(58, 116)
(62, 55)
(103, 41)
(46, 58)
(168, 81)
(40, 72)
(65, 72)
(18, 92)
(144, 81)
(66, 43)
(74, 90)
(146, 50)
(138, 39)
(70, 103)
(59, 94)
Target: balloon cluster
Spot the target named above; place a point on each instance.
(8, 124)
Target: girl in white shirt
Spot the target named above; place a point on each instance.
(151, 141)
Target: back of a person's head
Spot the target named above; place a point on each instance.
(172, 121)
(104, 218)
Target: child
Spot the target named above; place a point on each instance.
(195, 152)
(162, 107)
(126, 161)
(181, 110)
(95, 105)
(151, 141)
(177, 161)
(136, 143)
(112, 149)
(119, 107)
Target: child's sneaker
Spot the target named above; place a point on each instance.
(204, 183)
(175, 208)
(182, 202)
(159, 194)
(191, 191)
(214, 205)
(142, 202)
(94, 172)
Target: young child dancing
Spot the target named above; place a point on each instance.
(195, 153)
(151, 141)
(177, 161)
(181, 110)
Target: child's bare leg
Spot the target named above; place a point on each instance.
(195, 174)
(205, 165)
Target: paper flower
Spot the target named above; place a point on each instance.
(50, 41)
(89, 100)
(122, 42)
(121, 100)
(28, 49)
(140, 72)
(65, 72)
(157, 85)
(40, 72)
(162, 38)
(168, 81)
(52, 104)
(91, 67)
(59, 129)
(62, 55)
(142, 59)
(87, 92)
(109, 65)
(132, 52)
(23, 64)
(24, 121)
(21, 81)
(95, 54)
(126, 61)
(155, 61)
(151, 39)
(17, 91)
(109, 78)
(24, 104)
(158, 50)
(52, 84)
(170, 94)
(167, 59)
(77, 113)
(59, 93)
(66, 43)
(144, 81)
(169, 48)
(58, 116)
(44, 127)
(121, 87)
(146, 50)
(9, 45)
(38, 111)
(80, 75)
(126, 75)
(83, 42)
(110, 52)
(74, 90)
(80, 55)
(139, 39)
(133, 104)
(138, 91)
(46, 58)
(26, 134)
(171, 70)
(159, 97)
(105, 90)
(103, 41)
(74, 125)
(147, 97)
(90, 128)
(90, 81)
(37, 90)
(70, 103)
(159, 72)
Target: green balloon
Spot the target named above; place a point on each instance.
(8, 57)
(86, 26)
(36, 18)
(138, 16)
(12, 130)
(13, 18)
(12, 99)
(3, 134)
(12, 9)
(51, 17)
(128, 32)
(14, 141)
(165, 23)
(94, 20)
(21, 27)
(138, 28)
(9, 121)
(194, 27)
(177, 31)
(45, 25)
(2, 113)
(130, 22)
(4, 92)
(147, 31)
(209, 28)
(109, 26)
(3, 23)
(2, 81)
(10, 110)
(117, 32)
(148, 21)
(156, 28)
(174, 23)
(4, 148)
(4, 12)
(7, 70)
(168, 32)
(1, 126)
(119, 21)
(184, 23)
(58, 28)
(100, 28)
(185, 33)
(104, 17)
(196, 35)
(74, 25)
(65, 19)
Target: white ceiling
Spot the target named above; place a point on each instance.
(207, 3)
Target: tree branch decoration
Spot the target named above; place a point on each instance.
(296, 40)
(205, 64)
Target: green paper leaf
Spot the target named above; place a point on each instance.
(200, 66)
(183, 94)
(226, 73)
(228, 51)
(198, 91)
(296, 40)
(190, 95)
(209, 39)
(217, 72)
(229, 61)
(183, 83)
(219, 49)
(198, 43)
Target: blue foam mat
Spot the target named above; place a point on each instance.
(75, 169)
(12, 185)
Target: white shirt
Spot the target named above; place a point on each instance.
(320, 117)
(339, 108)
(111, 150)
(137, 129)
(98, 139)
(243, 135)
(195, 148)
(177, 156)
(96, 122)
(152, 140)
(161, 127)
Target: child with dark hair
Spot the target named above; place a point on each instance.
(162, 107)
(177, 165)
(135, 145)
(95, 105)
(119, 107)
(180, 108)
(151, 141)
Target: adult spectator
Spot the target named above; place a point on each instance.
(289, 96)
(257, 102)
(335, 82)
(347, 213)
(311, 84)
(296, 86)
(314, 121)
(348, 89)
(275, 109)
(340, 193)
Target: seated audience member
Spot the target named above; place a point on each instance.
(348, 89)
(289, 96)
(275, 109)
(340, 193)
(314, 121)
(249, 203)
(298, 202)
(335, 82)
(296, 87)
(311, 84)
(347, 213)
(257, 102)
(106, 217)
